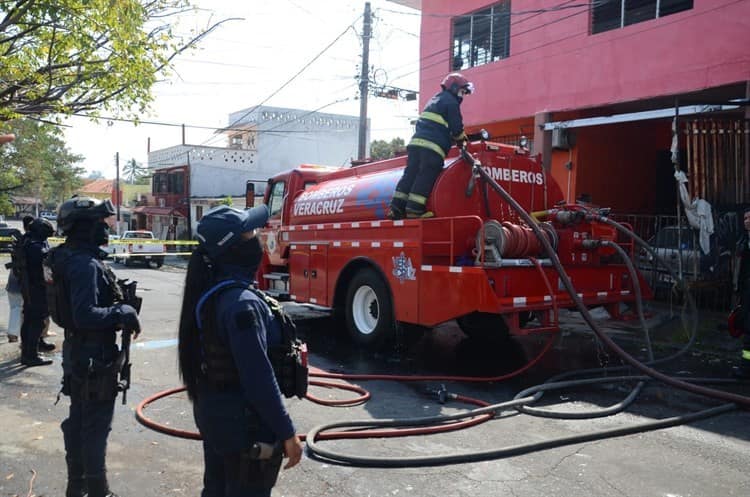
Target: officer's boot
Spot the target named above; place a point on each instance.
(76, 481)
(45, 346)
(30, 356)
(76, 487)
(98, 487)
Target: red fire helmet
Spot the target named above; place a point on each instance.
(455, 81)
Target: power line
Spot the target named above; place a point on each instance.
(502, 14)
(252, 109)
(215, 129)
(513, 35)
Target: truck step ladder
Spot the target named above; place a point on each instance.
(277, 285)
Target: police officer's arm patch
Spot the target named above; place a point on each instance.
(245, 320)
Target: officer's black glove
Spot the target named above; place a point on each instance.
(129, 319)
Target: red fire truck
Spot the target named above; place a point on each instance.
(329, 244)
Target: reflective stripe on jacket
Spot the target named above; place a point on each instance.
(439, 124)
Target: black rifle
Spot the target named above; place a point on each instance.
(127, 287)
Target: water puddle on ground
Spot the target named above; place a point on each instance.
(156, 344)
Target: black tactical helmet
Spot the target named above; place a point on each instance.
(82, 208)
(41, 228)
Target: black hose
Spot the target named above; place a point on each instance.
(638, 294)
(516, 450)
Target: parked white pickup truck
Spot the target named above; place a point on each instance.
(136, 246)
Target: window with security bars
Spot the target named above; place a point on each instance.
(481, 37)
(613, 14)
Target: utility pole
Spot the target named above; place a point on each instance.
(117, 188)
(363, 82)
(189, 207)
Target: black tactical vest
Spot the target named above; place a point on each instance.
(288, 359)
(58, 290)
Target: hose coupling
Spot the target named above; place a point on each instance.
(442, 393)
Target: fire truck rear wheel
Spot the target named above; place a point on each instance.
(484, 326)
(369, 309)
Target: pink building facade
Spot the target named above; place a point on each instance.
(540, 66)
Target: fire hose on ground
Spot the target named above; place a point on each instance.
(521, 403)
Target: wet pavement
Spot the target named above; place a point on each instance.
(706, 458)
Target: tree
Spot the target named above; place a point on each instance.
(97, 174)
(134, 171)
(37, 164)
(71, 56)
(381, 149)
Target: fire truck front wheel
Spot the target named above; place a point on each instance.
(369, 309)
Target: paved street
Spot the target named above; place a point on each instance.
(708, 458)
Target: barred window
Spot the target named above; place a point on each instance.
(613, 14)
(481, 37)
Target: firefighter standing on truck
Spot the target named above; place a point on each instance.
(226, 332)
(742, 370)
(28, 262)
(86, 301)
(439, 125)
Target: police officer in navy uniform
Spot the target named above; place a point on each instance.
(35, 248)
(742, 370)
(86, 304)
(439, 125)
(225, 334)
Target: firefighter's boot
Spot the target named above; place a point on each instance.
(419, 215)
(394, 213)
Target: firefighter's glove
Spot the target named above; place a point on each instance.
(128, 319)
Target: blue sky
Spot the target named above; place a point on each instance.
(245, 61)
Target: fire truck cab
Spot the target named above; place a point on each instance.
(329, 244)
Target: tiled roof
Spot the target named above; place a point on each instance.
(98, 186)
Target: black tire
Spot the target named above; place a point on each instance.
(159, 262)
(126, 262)
(484, 326)
(369, 310)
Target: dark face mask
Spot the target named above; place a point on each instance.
(246, 254)
(100, 233)
(89, 231)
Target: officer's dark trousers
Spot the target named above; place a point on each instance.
(423, 167)
(85, 434)
(226, 430)
(221, 476)
(31, 330)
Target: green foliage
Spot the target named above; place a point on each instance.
(70, 56)
(37, 164)
(226, 201)
(135, 172)
(381, 149)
